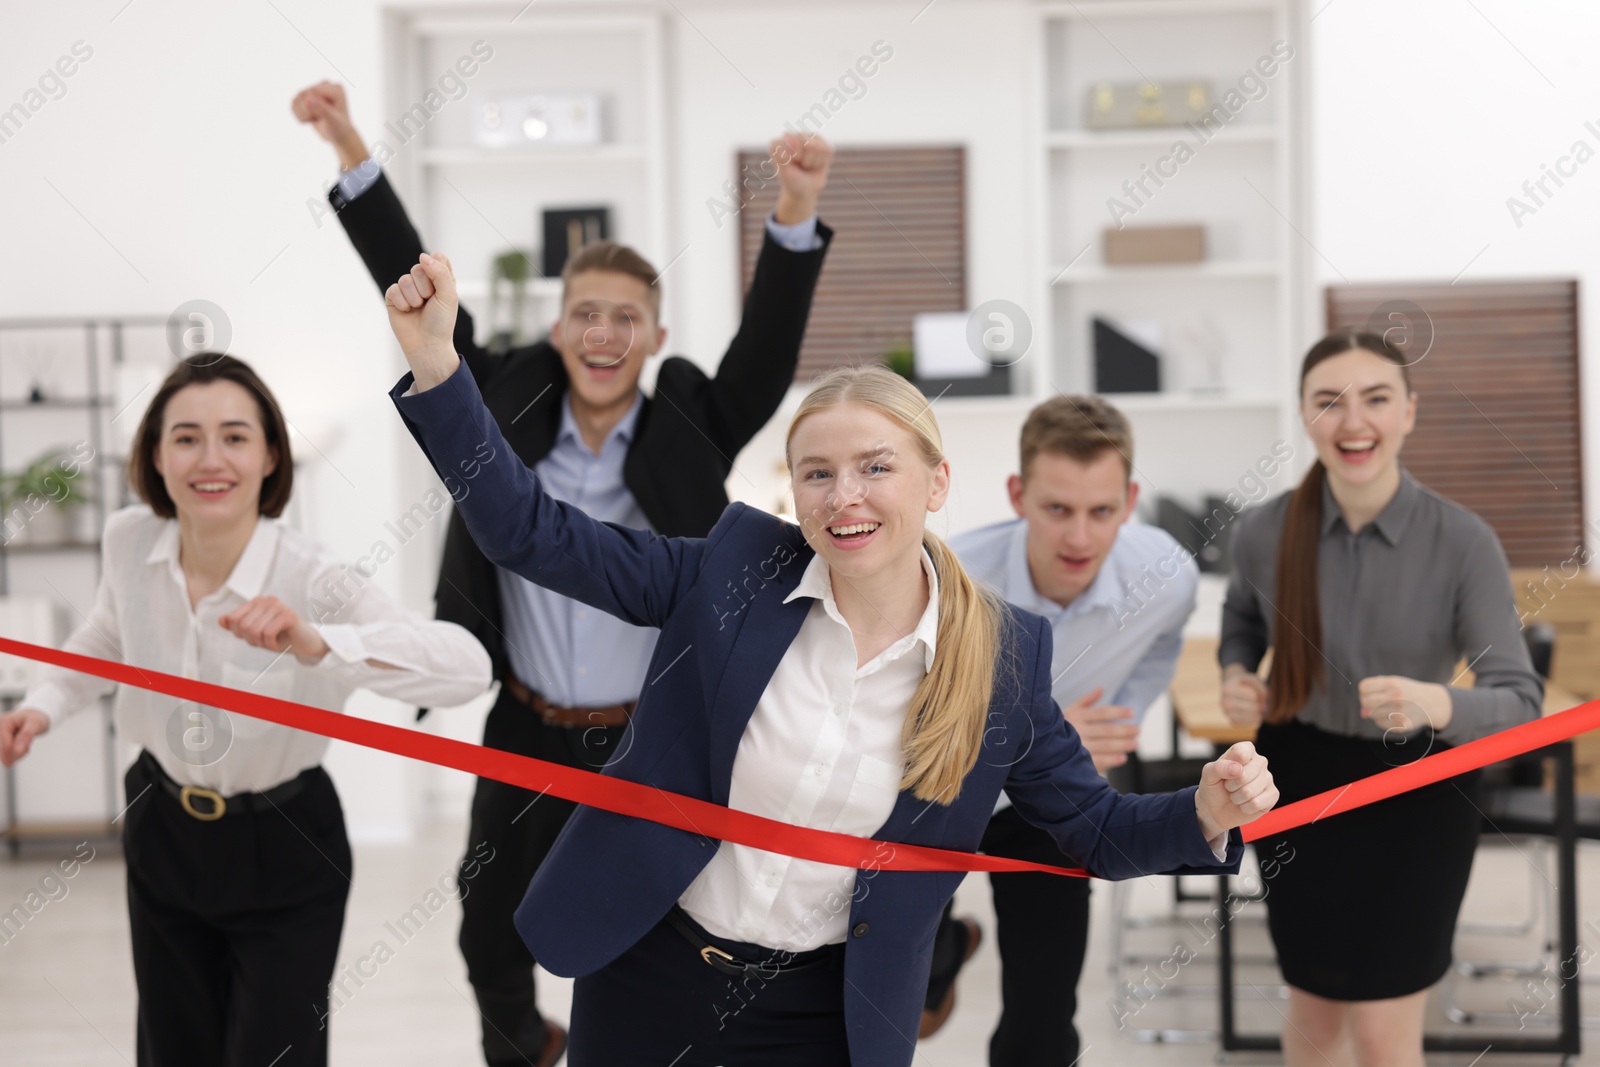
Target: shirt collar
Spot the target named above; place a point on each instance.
(817, 582)
(1104, 591)
(249, 573)
(622, 431)
(1391, 522)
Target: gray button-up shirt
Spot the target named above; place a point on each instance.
(1418, 589)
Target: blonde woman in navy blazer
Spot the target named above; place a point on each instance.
(690, 951)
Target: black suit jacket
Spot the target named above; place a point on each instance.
(687, 434)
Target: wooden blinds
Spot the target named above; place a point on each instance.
(900, 247)
(1497, 415)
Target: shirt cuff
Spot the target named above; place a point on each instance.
(358, 179)
(1219, 847)
(801, 237)
(344, 644)
(50, 699)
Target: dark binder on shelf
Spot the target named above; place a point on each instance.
(568, 229)
(1121, 364)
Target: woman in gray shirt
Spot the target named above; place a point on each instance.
(1370, 589)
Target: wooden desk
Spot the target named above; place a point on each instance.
(1197, 695)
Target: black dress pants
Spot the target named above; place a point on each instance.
(514, 829)
(660, 1004)
(235, 925)
(1042, 930)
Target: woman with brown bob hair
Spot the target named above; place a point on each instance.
(238, 863)
(1370, 589)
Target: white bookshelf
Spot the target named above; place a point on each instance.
(1233, 327)
(476, 202)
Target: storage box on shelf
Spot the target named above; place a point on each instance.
(1230, 324)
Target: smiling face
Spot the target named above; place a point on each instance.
(1357, 411)
(862, 489)
(1073, 509)
(212, 454)
(607, 330)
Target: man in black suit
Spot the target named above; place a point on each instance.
(571, 407)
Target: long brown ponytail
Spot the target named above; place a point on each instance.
(1297, 636)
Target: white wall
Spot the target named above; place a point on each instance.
(175, 144)
(1428, 116)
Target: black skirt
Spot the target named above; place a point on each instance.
(1363, 905)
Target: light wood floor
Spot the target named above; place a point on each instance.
(67, 995)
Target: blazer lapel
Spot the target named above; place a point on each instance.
(767, 627)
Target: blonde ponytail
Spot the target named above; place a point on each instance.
(949, 711)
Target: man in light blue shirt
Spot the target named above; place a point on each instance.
(1116, 594)
(570, 406)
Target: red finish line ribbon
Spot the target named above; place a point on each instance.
(1548, 730)
(742, 828)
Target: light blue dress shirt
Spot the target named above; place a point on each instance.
(568, 652)
(1123, 633)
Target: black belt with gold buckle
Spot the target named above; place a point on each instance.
(729, 964)
(217, 805)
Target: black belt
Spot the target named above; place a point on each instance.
(730, 964)
(219, 805)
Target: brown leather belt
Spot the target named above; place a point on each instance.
(556, 715)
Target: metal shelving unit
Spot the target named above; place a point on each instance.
(104, 347)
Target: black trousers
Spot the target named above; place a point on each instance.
(516, 828)
(659, 1003)
(1042, 930)
(235, 926)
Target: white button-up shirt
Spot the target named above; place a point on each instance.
(822, 749)
(142, 616)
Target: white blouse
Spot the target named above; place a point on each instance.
(142, 616)
(822, 749)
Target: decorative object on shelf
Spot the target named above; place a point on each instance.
(1123, 364)
(513, 268)
(1132, 105)
(1204, 336)
(944, 362)
(41, 502)
(568, 229)
(537, 120)
(901, 360)
(1153, 244)
(38, 365)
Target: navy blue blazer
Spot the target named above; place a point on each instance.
(718, 601)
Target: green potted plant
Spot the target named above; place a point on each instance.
(42, 500)
(514, 269)
(901, 360)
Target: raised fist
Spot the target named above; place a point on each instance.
(803, 161)
(323, 107)
(422, 313)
